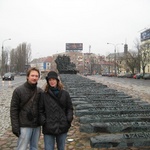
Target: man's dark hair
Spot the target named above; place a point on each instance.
(32, 69)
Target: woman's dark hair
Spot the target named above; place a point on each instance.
(59, 85)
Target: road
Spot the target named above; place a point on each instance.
(128, 81)
(137, 88)
(17, 81)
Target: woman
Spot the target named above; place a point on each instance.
(56, 112)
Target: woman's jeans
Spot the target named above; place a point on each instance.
(28, 137)
(49, 141)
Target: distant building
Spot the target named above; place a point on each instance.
(43, 64)
(119, 59)
(85, 62)
(145, 44)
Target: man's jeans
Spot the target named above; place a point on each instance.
(28, 137)
(49, 141)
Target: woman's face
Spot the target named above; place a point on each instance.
(52, 82)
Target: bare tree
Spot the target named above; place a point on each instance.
(28, 53)
(12, 61)
(20, 57)
(132, 61)
(5, 61)
(137, 46)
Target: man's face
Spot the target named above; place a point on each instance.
(33, 77)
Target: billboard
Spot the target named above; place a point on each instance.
(145, 35)
(74, 46)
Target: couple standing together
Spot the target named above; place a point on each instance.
(32, 107)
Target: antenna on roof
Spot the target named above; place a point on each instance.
(89, 48)
(125, 41)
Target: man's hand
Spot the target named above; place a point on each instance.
(17, 133)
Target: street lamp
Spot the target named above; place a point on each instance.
(115, 46)
(2, 55)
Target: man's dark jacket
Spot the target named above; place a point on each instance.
(21, 105)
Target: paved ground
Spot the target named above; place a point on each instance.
(75, 140)
(137, 88)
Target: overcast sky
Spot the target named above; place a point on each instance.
(49, 24)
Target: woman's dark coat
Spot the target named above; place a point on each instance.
(56, 113)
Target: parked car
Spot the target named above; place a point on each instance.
(111, 74)
(105, 73)
(146, 76)
(22, 73)
(138, 76)
(8, 76)
(121, 75)
(129, 75)
(87, 74)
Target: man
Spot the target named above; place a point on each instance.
(24, 111)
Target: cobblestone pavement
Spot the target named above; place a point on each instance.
(75, 140)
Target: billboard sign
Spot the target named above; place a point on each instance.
(145, 35)
(74, 46)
